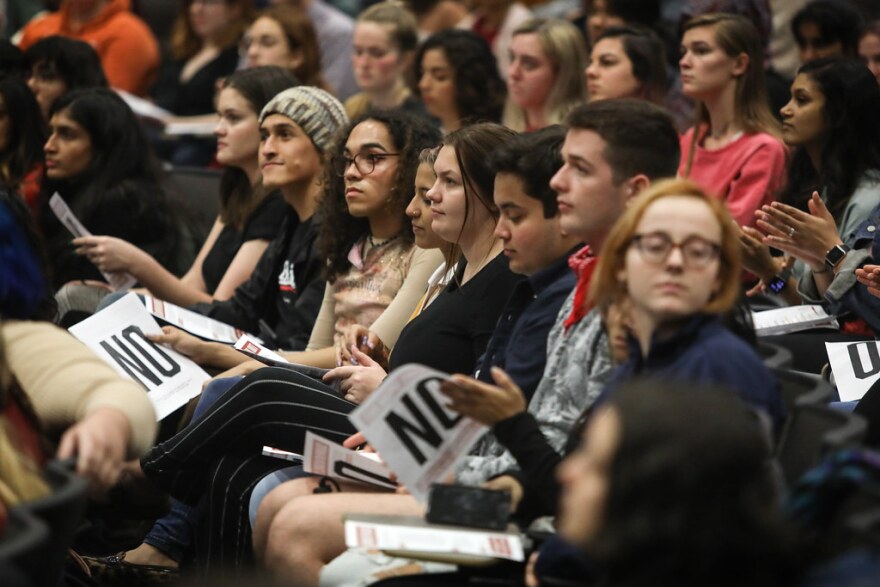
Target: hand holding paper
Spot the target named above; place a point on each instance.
(110, 254)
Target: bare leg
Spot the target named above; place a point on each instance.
(274, 501)
(308, 532)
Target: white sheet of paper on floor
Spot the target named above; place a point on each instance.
(406, 420)
(117, 335)
(66, 216)
(856, 367)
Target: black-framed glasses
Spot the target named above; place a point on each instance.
(655, 248)
(365, 163)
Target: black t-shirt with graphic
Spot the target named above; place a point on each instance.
(281, 300)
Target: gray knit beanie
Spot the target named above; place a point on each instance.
(315, 111)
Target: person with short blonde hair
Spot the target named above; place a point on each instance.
(544, 78)
(384, 44)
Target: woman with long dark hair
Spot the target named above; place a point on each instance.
(832, 123)
(458, 79)
(98, 160)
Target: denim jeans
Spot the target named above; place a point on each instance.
(173, 533)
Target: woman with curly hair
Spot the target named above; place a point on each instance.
(374, 272)
(458, 79)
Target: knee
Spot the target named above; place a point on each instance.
(281, 496)
(288, 532)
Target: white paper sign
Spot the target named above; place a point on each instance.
(407, 422)
(856, 367)
(329, 459)
(66, 216)
(413, 535)
(193, 322)
(117, 335)
(792, 319)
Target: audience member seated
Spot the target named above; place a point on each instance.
(458, 79)
(495, 21)
(759, 13)
(627, 62)
(869, 47)
(826, 28)
(281, 299)
(334, 30)
(98, 159)
(250, 214)
(833, 108)
(545, 76)
(639, 521)
(285, 38)
(626, 143)
(57, 65)
(733, 150)
(127, 48)
(22, 136)
(385, 40)
(204, 49)
(673, 258)
(450, 334)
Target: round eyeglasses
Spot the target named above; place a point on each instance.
(365, 163)
(655, 248)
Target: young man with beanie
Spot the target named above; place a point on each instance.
(280, 301)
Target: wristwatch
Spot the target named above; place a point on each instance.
(835, 254)
(779, 281)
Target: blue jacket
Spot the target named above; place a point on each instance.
(704, 351)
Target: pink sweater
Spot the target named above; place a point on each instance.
(746, 173)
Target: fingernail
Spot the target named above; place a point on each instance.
(371, 344)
